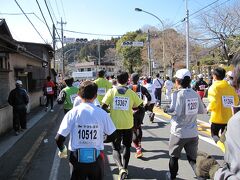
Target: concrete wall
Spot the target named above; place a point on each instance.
(18, 61)
(5, 119)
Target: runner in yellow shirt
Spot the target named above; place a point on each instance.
(121, 100)
(222, 97)
(103, 85)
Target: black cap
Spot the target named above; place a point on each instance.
(135, 77)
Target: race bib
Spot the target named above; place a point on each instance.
(101, 91)
(227, 101)
(191, 106)
(88, 134)
(121, 103)
(49, 89)
(72, 97)
(202, 87)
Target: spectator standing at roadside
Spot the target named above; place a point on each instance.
(221, 97)
(185, 106)
(48, 89)
(103, 85)
(200, 86)
(168, 86)
(68, 95)
(18, 99)
(158, 84)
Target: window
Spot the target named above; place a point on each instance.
(82, 69)
(89, 69)
(36, 79)
(4, 89)
(4, 65)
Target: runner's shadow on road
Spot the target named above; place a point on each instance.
(155, 139)
(153, 126)
(144, 173)
(159, 154)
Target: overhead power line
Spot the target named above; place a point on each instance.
(63, 11)
(94, 34)
(52, 20)
(44, 19)
(201, 10)
(30, 22)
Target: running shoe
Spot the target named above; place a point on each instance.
(139, 154)
(168, 176)
(123, 173)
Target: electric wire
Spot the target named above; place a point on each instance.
(94, 34)
(52, 20)
(57, 8)
(64, 15)
(31, 22)
(44, 18)
(54, 16)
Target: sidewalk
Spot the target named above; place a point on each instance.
(9, 139)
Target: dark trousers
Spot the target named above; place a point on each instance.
(215, 129)
(19, 119)
(124, 136)
(158, 95)
(83, 171)
(50, 98)
(137, 136)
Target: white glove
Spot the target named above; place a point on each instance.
(63, 153)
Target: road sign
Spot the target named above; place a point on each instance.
(132, 43)
(137, 44)
(68, 40)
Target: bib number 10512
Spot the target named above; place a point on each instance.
(87, 134)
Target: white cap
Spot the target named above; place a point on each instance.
(19, 82)
(200, 76)
(181, 73)
(230, 73)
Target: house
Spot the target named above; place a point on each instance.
(28, 62)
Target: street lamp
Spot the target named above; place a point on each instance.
(141, 10)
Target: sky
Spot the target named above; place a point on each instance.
(102, 17)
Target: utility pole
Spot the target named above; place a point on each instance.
(149, 54)
(63, 67)
(99, 53)
(187, 36)
(54, 45)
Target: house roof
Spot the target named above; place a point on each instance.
(4, 30)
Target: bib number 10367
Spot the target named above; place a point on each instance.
(121, 103)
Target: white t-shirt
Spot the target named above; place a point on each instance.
(158, 83)
(78, 100)
(151, 90)
(86, 125)
(168, 85)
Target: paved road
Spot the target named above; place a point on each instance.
(33, 155)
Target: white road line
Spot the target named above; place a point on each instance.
(55, 167)
(208, 140)
(203, 138)
(160, 119)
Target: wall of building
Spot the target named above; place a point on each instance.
(18, 61)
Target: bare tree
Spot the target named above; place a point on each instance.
(222, 23)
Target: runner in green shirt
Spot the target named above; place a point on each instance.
(103, 85)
